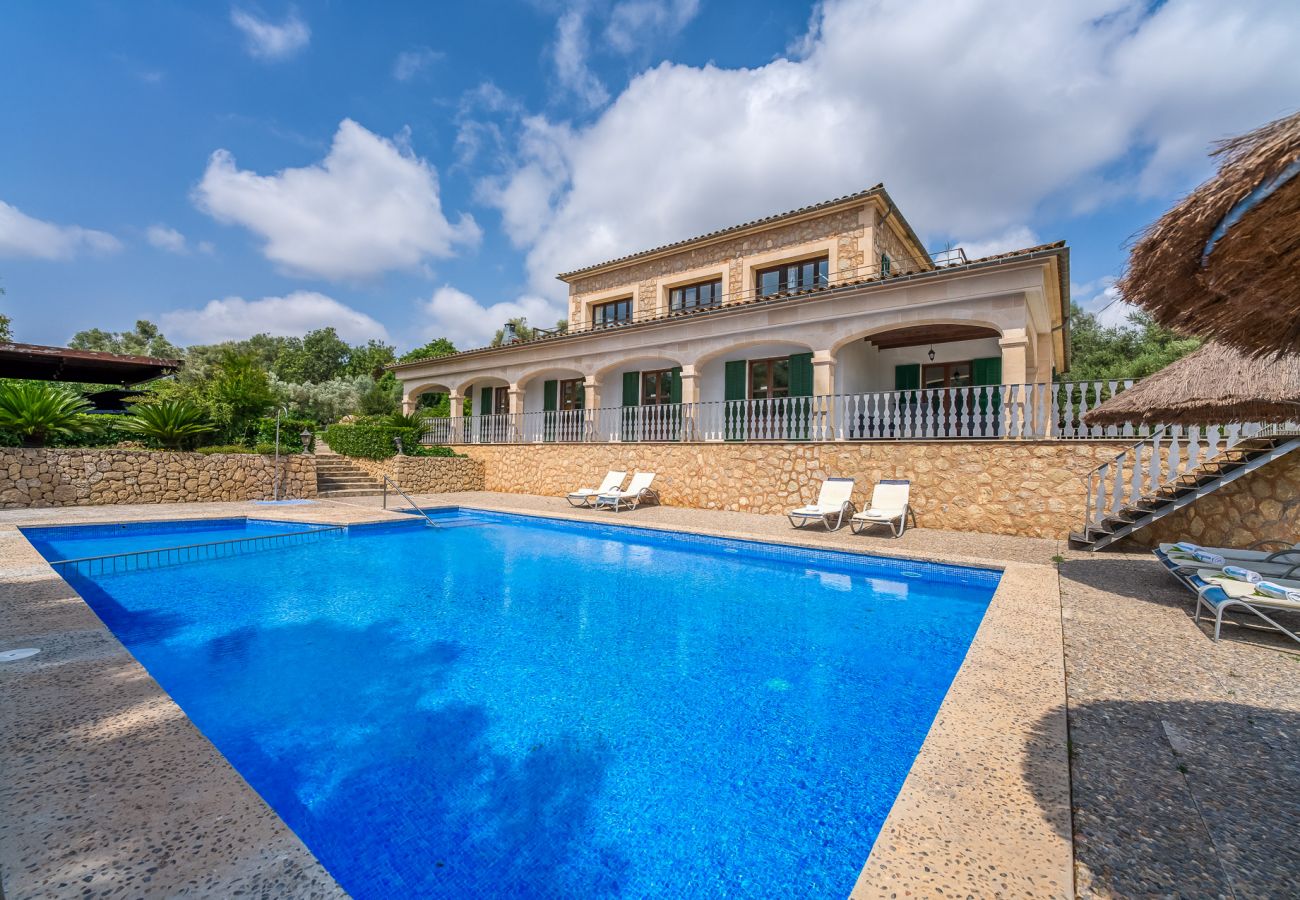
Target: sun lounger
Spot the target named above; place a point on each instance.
(584, 496)
(1220, 594)
(890, 505)
(638, 492)
(833, 502)
(1284, 564)
(1234, 554)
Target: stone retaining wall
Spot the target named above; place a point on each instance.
(426, 474)
(1256, 508)
(1033, 489)
(97, 477)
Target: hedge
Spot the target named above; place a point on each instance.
(290, 434)
(370, 441)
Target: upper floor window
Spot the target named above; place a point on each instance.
(615, 312)
(693, 296)
(796, 276)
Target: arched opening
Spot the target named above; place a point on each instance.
(555, 401)
(757, 390)
(938, 379)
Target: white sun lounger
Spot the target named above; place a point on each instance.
(1220, 594)
(890, 505)
(638, 492)
(584, 496)
(833, 502)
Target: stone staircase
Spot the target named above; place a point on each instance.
(337, 477)
(1149, 481)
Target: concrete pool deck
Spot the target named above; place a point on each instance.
(107, 787)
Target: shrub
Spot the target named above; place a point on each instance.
(371, 441)
(173, 423)
(36, 411)
(436, 450)
(224, 448)
(290, 434)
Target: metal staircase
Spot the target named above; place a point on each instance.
(1169, 470)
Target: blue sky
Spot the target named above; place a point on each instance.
(412, 170)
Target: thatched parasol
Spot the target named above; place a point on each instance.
(1225, 262)
(1215, 385)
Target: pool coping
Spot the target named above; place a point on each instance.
(984, 809)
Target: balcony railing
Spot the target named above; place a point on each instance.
(987, 412)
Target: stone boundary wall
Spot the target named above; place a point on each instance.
(1256, 508)
(1028, 488)
(426, 474)
(99, 477)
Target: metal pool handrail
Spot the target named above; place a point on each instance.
(387, 482)
(173, 556)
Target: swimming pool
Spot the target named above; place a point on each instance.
(516, 706)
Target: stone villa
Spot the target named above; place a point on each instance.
(829, 322)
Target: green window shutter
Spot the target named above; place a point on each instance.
(987, 371)
(675, 385)
(631, 388)
(485, 403)
(550, 395)
(907, 377)
(735, 379)
(801, 375)
(884, 264)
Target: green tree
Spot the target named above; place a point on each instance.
(238, 394)
(383, 398)
(369, 359)
(522, 331)
(432, 350)
(318, 356)
(145, 340)
(1133, 350)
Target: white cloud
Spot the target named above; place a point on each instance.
(455, 315)
(368, 207)
(975, 116)
(631, 20)
(1017, 238)
(570, 56)
(270, 41)
(23, 236)
(165, 238)
(235, 318)
(1102, 298)
(410, 63)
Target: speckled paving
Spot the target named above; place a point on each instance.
(111, 783)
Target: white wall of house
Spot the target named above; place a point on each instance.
(861, 368)
(611, 383)
(713, 374)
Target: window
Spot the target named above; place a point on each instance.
(656, 387)
(694, 296)
(500, 401)
(616, 312)
(885, 264)
(769, 378)
(942, 375)
(797, 276)
(571, 394)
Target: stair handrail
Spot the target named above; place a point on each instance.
(1097, 474)
(414, 505)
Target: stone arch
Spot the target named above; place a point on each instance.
(722, 349)
(876, 330)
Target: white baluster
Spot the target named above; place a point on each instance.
(1117, 486)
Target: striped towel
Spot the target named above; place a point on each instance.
(1187, 546)
(1240, 574)
(1208, 558)
(1269, 589)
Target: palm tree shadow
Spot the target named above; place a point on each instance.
(1178, 798)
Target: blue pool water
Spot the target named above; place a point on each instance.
(512, 706)
(79, 541)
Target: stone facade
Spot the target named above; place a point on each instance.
(1258, 508)
(97, 477)
(1033, 489)
(426, 474)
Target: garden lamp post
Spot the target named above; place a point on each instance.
(306, 437)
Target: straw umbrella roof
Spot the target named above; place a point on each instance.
(1225, 262)
(1215, 385)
